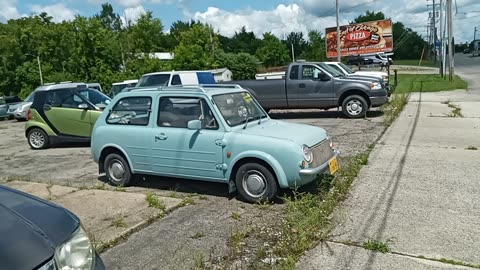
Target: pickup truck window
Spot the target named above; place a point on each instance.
(176, 112)
(154, 80)
(237, 108)
(294, 73)
(331, 70)
(310, 72)
(176, 80)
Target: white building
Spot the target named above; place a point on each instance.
(222, 74)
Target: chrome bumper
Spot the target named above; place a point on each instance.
(319, 169)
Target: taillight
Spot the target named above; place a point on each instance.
(29, 114)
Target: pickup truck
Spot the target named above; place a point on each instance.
(315, 85)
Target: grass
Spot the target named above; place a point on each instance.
(456, 110)
(307, 216)
(203, 197)
(120, 189)
(199, 262)
(118, 222)
(154, 202)
(236, 215)
(198, 235)
(471, 148)
(394, 107)
(187, 201)
(237, 240)
(408, 83)
(376, 245)
(415, 62)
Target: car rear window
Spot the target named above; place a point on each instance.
(131, 111)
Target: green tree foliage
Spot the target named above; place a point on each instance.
(243, 65)
(272, 52)
(369, 16)
(315, 47)
(299, 44)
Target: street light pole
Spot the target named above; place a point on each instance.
(450, 40)
(40, 70)
(339, 51)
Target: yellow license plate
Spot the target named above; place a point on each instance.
(333, 164)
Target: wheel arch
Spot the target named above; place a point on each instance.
(259, 157)
(109, 149)
(352, 92)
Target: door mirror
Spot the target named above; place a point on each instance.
(194, 124)
(83, 106)
(323, 77)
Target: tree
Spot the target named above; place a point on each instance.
(198, 49)
(272, 51)
(245, 42)
(242, 65)
(109, 19)
(369, 16)
(299, 44)
(146, 36)
(315, 47)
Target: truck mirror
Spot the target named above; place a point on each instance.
(324, 77)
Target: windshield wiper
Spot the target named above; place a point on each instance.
(246, 119)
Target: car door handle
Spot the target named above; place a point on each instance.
(302, 85)
(161, 137)
(47, 107)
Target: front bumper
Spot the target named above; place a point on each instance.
(309, 174)
(378, 101)
(20, 115)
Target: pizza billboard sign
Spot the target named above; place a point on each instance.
(360, 38)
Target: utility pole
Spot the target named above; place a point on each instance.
(450, 41)
(434, 35)
(293, 53)
(339, 51)
(474, 37)
(40, 70)
(441, 39)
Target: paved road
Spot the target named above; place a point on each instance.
(419, 193)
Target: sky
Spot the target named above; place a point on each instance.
(259, 16)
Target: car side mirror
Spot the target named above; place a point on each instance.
(194, 124)
(83, 106)
(324, 77)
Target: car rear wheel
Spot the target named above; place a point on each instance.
(38, 139)
(255, 183)
(117, 170)
(354, 106)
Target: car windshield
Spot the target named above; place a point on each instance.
(118, 88)
(346, 68)
(238, 108)
(154, 80)
(95, 97)
(332, 71)
(30, 97)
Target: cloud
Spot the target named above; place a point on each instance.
(59, 12)
(8, 10)
(132, 14)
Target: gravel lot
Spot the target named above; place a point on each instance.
(198, 231)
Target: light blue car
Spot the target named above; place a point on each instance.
(214, 133)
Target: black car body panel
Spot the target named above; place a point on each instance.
(31, 229)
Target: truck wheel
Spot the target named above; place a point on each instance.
(354, 106)
(255, 183)
(117, 170)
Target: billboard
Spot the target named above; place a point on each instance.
(360, 38)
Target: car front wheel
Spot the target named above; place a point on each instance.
(354, 106)
(117, 170)
(37, 139)
(255, 183)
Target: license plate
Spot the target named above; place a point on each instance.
(333, 164)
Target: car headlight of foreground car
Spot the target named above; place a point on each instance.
(375, 86)
(307, 153)
(77, 253)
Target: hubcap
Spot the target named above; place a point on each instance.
(116, 170)
(254, 183)
(36, 139)
(354, 107)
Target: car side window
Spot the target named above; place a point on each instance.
(310, 72)
(131, 111)
(62, 99)
(294, 73)
(176, 112)
(176, 80)
(336, 68)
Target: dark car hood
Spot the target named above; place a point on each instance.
(31, 229)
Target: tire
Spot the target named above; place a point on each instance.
(255, 183)
(38, 139)
(117, 170)
(354, 106)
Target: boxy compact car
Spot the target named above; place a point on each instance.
(64, 112)
(214, 133)
(37, 234)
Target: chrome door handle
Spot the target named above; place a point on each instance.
(161, 137)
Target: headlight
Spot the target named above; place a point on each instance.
(375, 86)
(307, 154)
(330, 141)
(77, 253)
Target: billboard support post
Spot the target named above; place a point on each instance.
(339, 49)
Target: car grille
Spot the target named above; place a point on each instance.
(50, 265)
(322, 152)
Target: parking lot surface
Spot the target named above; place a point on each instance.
(200, 229)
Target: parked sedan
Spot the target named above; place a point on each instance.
(20, 110)
(37, 234)
(3, 108)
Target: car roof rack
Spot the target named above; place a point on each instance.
(192, 87)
